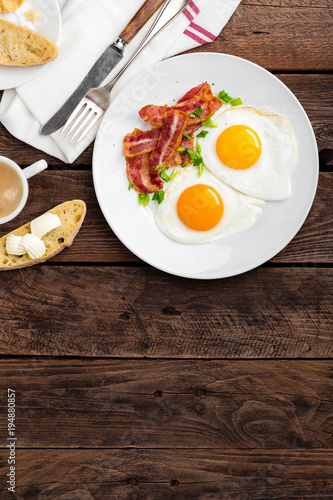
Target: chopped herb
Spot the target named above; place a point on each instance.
(200, 170)
(159, 167)
(144, 199)
(164, 175)
(196, 112)
(198, 147)
(209, 123)
(183, 164)
(130, 186)
(236, 102)
(191, 154)
(159, 196)
(225, 97)
(181, 148)
(173, 174)
(186, 137)
(203, 133)
(197, 162)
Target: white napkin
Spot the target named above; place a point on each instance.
(89, 26)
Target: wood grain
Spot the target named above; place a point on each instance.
(97, 243)
(315, 93)
(278, 37)
(139, 20)
(133, 312)
(169, 404)
(172, 475)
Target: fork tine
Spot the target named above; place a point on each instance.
(88, 128)
(78, 119)
(85, 122)
(73, 119)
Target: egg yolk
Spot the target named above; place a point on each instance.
(200, 207)
(238, 147)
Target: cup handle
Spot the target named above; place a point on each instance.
(34, 169)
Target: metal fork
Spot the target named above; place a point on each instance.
(96, 101)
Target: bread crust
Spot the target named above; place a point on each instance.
(20, 46)
(10, 5)
(68, 239)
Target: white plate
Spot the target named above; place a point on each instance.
(48, 24)
(134, 225)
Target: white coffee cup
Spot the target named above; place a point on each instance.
(24, 174)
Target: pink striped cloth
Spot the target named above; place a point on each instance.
(206, 19)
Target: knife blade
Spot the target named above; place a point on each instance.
(103, 66)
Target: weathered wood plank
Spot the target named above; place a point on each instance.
(97, 243)
(313, 91)
(171, 475)
(278, 37)
(169, 404)
(133, 312)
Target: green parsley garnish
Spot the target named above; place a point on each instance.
(186, 137)
(159, 196)
(159, 167)
(130, 186)
(209, 123)
(144, 199)
(196, 112)
(225, 97)
(173, 174)
(183, 165)
(164, 175)
(197, 162)
(203, 133)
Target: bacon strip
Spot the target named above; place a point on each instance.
(139, 142)
(178, 157)
(138, 171)
(172, 134)
(154, 114)
(201, 89)
(190, 129)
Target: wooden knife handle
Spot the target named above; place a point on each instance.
(140, 18)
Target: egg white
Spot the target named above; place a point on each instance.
(269, 178)
(239, 211)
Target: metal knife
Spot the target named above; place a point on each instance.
(103, 66)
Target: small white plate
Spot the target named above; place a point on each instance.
(134, 225)
(48, 24)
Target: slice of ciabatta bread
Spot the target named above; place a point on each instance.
(9, 5)
(71, 214)
(23, 47)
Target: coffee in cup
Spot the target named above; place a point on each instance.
(14, 188)
(11, 189)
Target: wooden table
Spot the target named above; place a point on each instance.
(133, 384)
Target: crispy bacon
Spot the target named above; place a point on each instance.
(178, 157)
(139, 142)
(154, 114)
(190, 129)
(172, 134)
(201, 89)
(214, 104)
(138, 171)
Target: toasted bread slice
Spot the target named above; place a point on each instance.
(9, 5)
(23, 47)
(71, 214)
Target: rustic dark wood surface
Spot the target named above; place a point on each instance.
(133, 384)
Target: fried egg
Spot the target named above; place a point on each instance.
(253, 152)
(202, 209)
